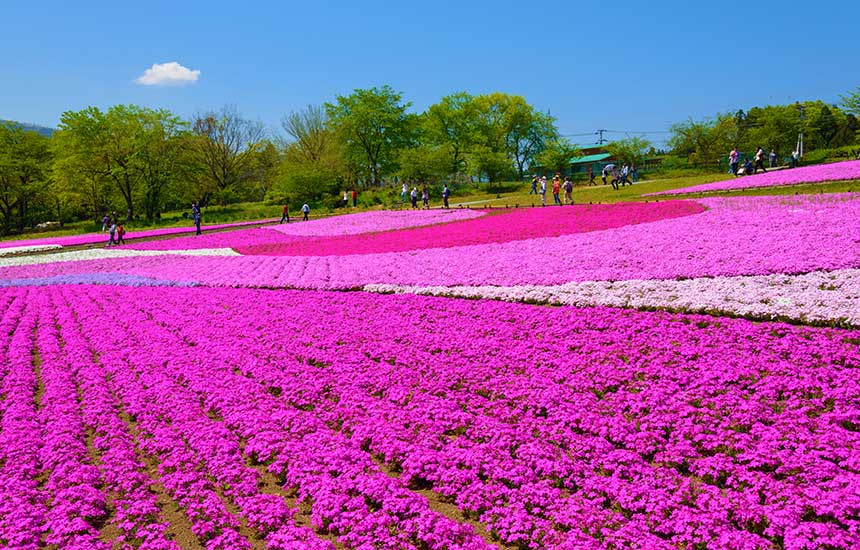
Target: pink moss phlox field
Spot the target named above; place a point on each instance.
(735, 236)
(100, 238)
(369, 222)
(500, 227)
(837, 171)
(221, 239)
(553, 428)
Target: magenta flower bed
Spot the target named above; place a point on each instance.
(98, 238)
(380, 421)
(514, 225)
(837, 171)
(735, 236)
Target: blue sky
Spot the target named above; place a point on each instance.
(623, 65)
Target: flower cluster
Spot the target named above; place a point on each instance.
(838, 171)
(420, 422)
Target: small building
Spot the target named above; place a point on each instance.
(594, 156)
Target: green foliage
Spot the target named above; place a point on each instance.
(556, 154)
(225, 147)
(851, 102)
(631, 151)
(372, 125)
(24, 176)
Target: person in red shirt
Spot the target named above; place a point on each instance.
(556, 187)
(354, 197)
(285, 213)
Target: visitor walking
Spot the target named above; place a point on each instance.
(305, 211)
(105, 223)
(112, 231)
(625, 172)
(425, 197)
(354, 197)
(772, 159)
(196, 216)
(568, 190)
(533, 190)
(285, 213)
(556, 187)
(345, 198)
(414, 196)
(634, 173)
(543, 191)
(759, 161)
(605, 172)
(591, 176)
(734, 158)
(794, 158)
(445, 194)
(120, 234)
(404, 191)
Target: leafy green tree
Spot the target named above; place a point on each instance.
(158, 156)
(25, 160)
(373, 126)
(557, 154)
(426, 163)
(851, 102)
(451, 124)
(508, 124)
(631, 151)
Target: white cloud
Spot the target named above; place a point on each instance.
(168, 74)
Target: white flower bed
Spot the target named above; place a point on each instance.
(820, 296)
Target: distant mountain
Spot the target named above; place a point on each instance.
(29, 127)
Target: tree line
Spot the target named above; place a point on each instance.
(774, 127)
(141, 162)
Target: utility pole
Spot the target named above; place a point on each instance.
(600, 141)
(800, 135)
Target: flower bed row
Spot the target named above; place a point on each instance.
(552, 428)
(837, 171)
(514, 225)
(820, 297)
(100, 238)
(733, 237)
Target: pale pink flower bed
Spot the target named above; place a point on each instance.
(837, 171)
(369, 222)
(100, 238)
(281, 235)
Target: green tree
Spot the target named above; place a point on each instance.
(557, 154)
(158, 156)
(373, 126)
(851, 102)
(225, 148)
(451, 125)
(25, 160)
(508, 124)
(631, 151)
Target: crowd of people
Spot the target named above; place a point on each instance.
(412, 196)
(747, 166)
